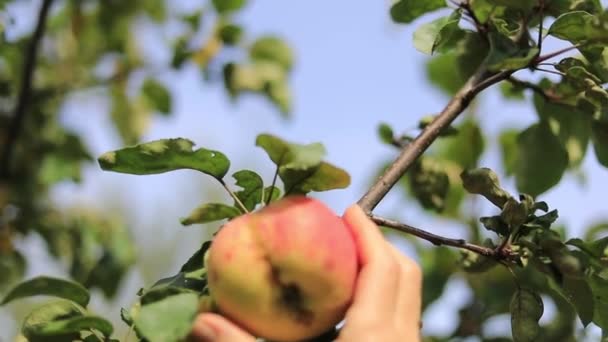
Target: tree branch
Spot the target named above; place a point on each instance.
(529, 85)
(25, 90)
(436, 239)
(541, 59)
(478, 82)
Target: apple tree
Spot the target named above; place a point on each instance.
(513, 261)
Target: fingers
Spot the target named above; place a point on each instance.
(368, 237)
(409, 299)
(378, 280)
(210, 327)
(389, 284)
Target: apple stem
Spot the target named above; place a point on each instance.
(234, 196)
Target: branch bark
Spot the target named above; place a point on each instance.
(25, 90)
(433, 238)
(478, 82)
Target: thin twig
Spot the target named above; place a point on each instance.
(274, 181)
(433, 238)
(541, 59)
(414, 149)
(541, 12)
(551, 71)
(529, 85)
(234, 196)
(25, 90)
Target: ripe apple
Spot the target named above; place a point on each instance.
(286, 272)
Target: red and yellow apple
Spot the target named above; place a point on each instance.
(286, 272)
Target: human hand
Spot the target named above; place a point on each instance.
(387, 301)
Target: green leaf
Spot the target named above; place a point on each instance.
(511, 91)
(596, 248)
(526, 309)
(514, 213)
(164, 289)
(130, 121)
(386, 134)
(436, 34)
(157, 95)
(579, 293)
(485, 182)
(596, 231)
(272, 49)
(323, 177)
(406, 11)
(524, 5)
(12, 268)
(437, 267)
(230, 34)
(541, 159)
(300, 167)
(441, 72)
(169, 319)
(196, 261)
(275, 193)
(288, 155)
(429, 183)
(495, 224)
(506, 55)
(279, 94)
(40, 317)
(508, 146)
(465, 147)
(165, 155)
(228, 6)
(75, 325)
(253, 187)
(579, 26)
(47, 286)
(570, 126)
(559, 7)
(210, 212)
(599, 287)
(599, 137)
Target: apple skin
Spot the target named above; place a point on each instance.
(286, 272)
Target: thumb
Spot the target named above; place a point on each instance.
(210, 327)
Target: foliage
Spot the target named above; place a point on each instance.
(519, 258)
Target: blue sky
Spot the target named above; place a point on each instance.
(354, 69)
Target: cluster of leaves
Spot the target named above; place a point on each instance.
(532, 263)
(66, 319)
(94, 46)
(507, 36)
(165, 311)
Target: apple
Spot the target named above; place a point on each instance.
(286, 272)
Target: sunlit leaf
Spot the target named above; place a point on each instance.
(253, 188)
(272, 49)
(169, 319)
(579, 26)
(165, 155)
(434, 35)
(210, 212)
(406, 11)
(47, 286)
